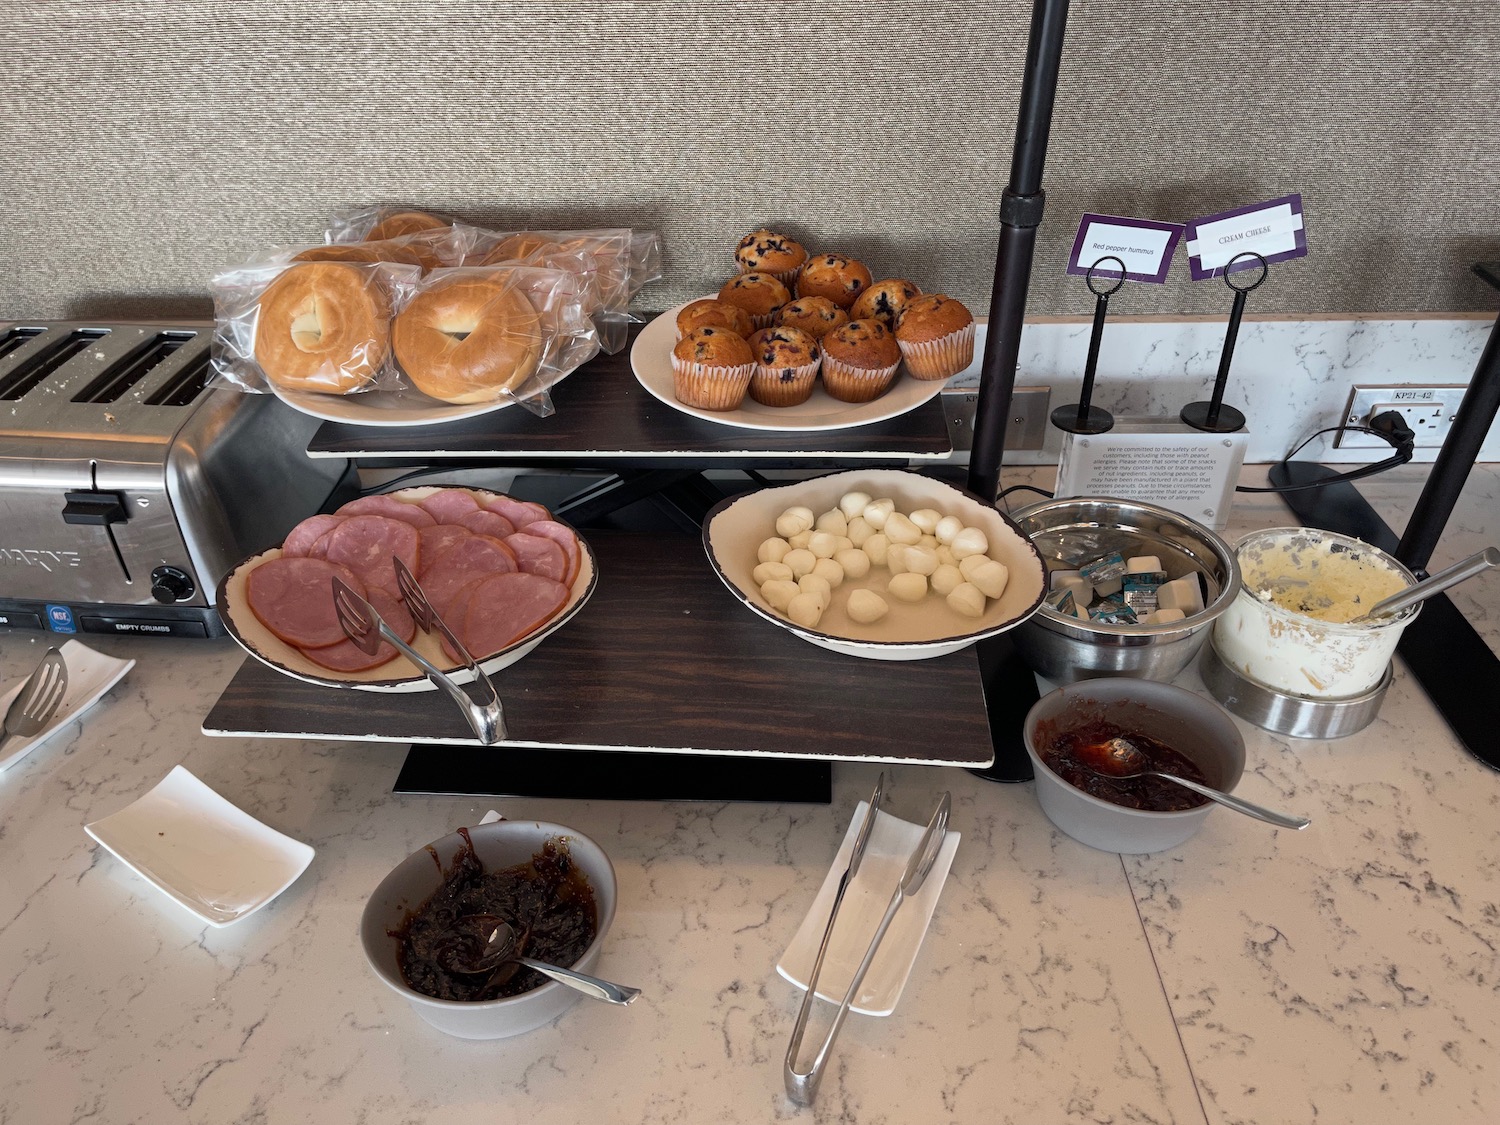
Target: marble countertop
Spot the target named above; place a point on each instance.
(1348, 973)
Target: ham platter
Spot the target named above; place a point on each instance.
(501, 572)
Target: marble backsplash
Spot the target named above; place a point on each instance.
(1290, 376)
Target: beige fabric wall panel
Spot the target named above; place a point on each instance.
(143, 146)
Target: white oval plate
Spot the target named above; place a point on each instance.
(207, 855)
(736, 527)
(402, 406)
(651, 360)
(400, 674)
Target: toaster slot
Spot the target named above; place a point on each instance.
(16, 337)
(30, 372)
(182, 388)
(126, 372)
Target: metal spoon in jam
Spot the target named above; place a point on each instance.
(501, 949)
(1119, 758)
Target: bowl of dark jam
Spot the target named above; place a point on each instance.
(437, 907)
(1068, 731)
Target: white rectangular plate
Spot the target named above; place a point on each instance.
(207, 855)
(892, 841)
(90, 675)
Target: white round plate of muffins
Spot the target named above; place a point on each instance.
(651, 360)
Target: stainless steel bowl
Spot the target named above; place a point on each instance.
(1071, 532)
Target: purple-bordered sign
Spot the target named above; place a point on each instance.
(1143, 245)
(1274, 230)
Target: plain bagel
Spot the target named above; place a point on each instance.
(467, 338)
(323, 326)
(399, 224)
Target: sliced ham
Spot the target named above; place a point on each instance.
(346, 656)
(300, 540)
(463, 563)
(564, 537)
(437, 539)
(294, 599)
(485, 522)
(449, 505)
(505, 608)
(389, 507)
(366, 544)
(519, 512)
(537, 554)
(458, 608)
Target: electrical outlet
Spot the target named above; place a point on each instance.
(1026, 428)
(1429, 409)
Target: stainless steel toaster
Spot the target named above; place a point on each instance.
(129, 486)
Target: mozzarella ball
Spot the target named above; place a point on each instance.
(822, 544)
(832, 522)
(800, 541)
(878, 511)
(945, 578)
(928, 541)
(794, 520)
(947, 529)
(876, 547)
(859, 531)
(966, 598)
(970, 563)
(855, 562)
(899, 529)
(945, 556)
(969, 541)
(767, 571)
(828, 570)
(845, 543)
(801, 561)
(866, 607)
(908, 587)
(920, 560)
(895, 558)
(990, 577)
(926, 519)
(779, 593)
(772, 550)
(853, 504)
(806, 610)
(817, 585)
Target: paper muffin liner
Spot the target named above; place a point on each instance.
(942, 358)
(786, 277)
(856, 384)
(769, 388)
(707, 387)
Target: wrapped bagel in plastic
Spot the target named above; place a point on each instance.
(479, 334)
(317, 326)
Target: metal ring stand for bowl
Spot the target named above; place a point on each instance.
(1283, 713)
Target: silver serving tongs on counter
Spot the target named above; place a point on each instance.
(478, 699)
(802, 1086)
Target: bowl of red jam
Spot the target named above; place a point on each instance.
(1068, 731)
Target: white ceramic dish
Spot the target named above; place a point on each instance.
(213, 859)
(651, 360)
(400, 674)
(892, 841)
(402, 406)
(736, 527)
(90, 675)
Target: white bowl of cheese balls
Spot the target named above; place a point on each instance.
(881, 564)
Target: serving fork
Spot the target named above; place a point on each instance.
(366, 628)
(38, 700)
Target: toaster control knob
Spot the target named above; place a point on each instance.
(168, 585)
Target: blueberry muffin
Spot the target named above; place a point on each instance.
(817, 316)
(860, 361)
(759, 294)
(884, 301)
(786, 365)
(718, 314)
(841, 279)
(711, 367)
(936, 336)
(767, 251)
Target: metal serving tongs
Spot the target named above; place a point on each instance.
(366, 629)
(802, 1086)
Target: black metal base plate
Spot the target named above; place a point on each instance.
(1230, 420)
(1009, 692)
(507, 771)
(1095, 420)
(1452, 662)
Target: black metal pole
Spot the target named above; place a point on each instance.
(1021, 207)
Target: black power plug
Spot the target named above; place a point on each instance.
(1392, 424)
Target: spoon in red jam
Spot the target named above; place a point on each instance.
(1120, 759)
(500, 948)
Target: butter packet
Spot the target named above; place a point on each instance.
(1112, 611)
(1139, 590)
